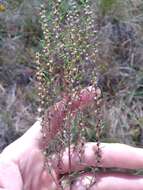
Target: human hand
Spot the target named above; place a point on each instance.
(21, 163)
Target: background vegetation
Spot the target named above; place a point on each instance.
(119, 64)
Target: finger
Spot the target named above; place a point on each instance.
(57, 114)
(108, 182)
(49, 180)
(112, 155)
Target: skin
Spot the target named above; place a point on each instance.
(21, 163)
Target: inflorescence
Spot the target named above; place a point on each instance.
(65, 65)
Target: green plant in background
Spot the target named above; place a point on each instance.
(121, 10)
(107, 5)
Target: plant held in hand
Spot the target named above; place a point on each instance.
(66, 59)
